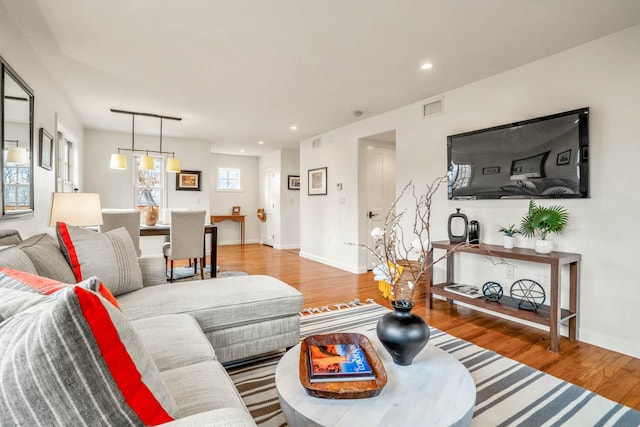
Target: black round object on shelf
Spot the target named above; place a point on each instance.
(492, 291)
(528, 293)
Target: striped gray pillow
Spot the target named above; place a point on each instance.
(75, 360)
(110, 256)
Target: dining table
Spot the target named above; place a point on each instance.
(212, 230)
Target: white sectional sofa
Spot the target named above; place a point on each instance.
(178, 335)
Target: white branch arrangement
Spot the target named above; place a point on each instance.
(391, 251)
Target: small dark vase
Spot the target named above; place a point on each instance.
(402, 333)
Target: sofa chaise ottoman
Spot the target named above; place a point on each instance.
(188, 329)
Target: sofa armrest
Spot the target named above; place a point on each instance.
(153, 270)
(227, 417)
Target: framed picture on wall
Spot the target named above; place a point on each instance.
(188, 180)
(317, 184)
(46, 150)
(294, 182)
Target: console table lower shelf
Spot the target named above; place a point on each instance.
(551, 315)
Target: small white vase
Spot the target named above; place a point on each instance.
(543, 246)
(508, 242)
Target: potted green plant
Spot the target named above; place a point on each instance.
(540, 221)
(509, 233)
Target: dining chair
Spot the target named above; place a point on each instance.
(127, 218)
(186, 239)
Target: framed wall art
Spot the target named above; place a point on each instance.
(45, 160)
(317, 182)
(294, 182)
(188, 180)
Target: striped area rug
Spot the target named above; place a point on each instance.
(508, 392)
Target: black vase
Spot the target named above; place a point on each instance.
(402, 333)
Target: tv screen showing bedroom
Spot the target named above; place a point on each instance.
(545, 157)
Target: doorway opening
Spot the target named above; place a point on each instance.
(376, 189)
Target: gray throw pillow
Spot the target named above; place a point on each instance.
(44, 252)
(75, 360)
(13, 257)
(110, 256)
(13, 302)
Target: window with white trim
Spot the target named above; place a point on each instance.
(228, 179)
(64, 164)
(149, 185)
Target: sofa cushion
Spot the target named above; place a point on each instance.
(26, 282)
(44, 252)
(202, 387)
(216, 303)
(181, 342)
(13, 302)
(228, 417)
(76, 361)
(111, 256)
(13, 257)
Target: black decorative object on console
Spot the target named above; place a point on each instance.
(528, 293)
(492, 291)
(474, 232)
(458, 221)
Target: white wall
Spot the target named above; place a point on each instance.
(223, 201)
(116, 186)
(284, 218)
(603, 75)
(290, 206)
(49, 104)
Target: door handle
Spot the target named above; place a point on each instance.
(371, 214)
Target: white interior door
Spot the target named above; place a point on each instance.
(381, 190)
(268, 203)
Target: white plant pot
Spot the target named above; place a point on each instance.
(508, 242)
(544, 246)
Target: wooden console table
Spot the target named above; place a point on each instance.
(236, 218)
(550, 316)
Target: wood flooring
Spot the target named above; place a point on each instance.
(610, 374)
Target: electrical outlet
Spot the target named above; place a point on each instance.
(510, 272)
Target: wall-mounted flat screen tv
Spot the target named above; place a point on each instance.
(546, 157)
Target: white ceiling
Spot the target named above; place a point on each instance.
(241, 71)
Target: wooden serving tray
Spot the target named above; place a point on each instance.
(345, 389)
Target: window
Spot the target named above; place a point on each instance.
(459, 176)
(17, 186)
(228, 179)
(64, 164)
(149, 185)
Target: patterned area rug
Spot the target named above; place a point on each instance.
(508, 392)
(186, 274)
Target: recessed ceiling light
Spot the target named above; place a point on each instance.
(426, 66)
(242, 150)
(261, 142)
(293, 127)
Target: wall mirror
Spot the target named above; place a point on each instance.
(16, 130)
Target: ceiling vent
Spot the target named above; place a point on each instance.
(433, 108)
(316, 143)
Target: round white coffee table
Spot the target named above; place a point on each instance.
(435, 390)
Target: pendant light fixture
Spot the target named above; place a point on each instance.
(119, 161)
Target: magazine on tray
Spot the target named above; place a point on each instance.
(338, 362)
(466, 290)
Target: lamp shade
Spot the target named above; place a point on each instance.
(118, 161)
(79, 209)
(173, 165)
(17, 155)
(146, 163)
